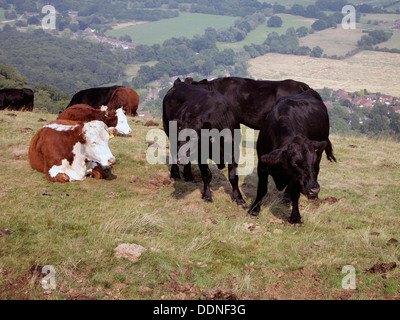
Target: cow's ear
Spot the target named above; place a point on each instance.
(273, 158)
(319, 146)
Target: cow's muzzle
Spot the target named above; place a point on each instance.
(111, 162)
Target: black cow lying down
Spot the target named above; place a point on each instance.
(200, 111)
(290, 148)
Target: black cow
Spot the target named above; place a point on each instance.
(191, 107)
(94, 97)
(252, 100)
(290, 148)
(16, 99)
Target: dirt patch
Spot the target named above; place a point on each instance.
(179, 290)
(382, 267)
(5, 232)
(328, 200)
(151, 124)
(20, 287)
(218, 294)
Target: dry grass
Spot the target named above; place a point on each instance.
(193, 246)
(374, 71)
(334, 41)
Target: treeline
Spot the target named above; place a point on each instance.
(47, 97)
(287, 43)
(71, 65)
(380, 121)
(179, 56)
(241, 28)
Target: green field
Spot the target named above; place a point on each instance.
(186, 25)
(259, 35)
(193, 247)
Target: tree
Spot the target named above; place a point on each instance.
(10, 78)
(126, 38)
(317, 52)
(302, 32)
(275, 22)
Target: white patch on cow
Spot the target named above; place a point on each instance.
(77, 171)
(61, 127)
(123, 125)
(96, 148)
(103, 108)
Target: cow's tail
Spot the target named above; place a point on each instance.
(329, 152)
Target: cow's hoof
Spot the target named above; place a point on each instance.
(207, 199)
(253, 213)
(313, 197)
(189, 179)
(175, 177)
(296, 222)
(242, 204)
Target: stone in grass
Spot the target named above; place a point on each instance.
(130, 251)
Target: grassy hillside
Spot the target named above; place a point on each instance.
(192, 246)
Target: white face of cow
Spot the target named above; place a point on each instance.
(123, 126)
(96, 147)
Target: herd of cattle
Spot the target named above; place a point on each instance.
(292, 119)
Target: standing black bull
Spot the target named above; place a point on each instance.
(252, 100)
(191, 107)
(16, 99)
(94, 97)
(290, 148)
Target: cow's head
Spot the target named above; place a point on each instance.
(111, 118)
(123, 125)
(94, 138)
(297, 161)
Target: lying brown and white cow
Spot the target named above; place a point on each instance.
(67, 150)
(116, 120)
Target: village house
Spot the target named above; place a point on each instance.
(342, 95)
(386, 99)
(371, 97)
(114, 42)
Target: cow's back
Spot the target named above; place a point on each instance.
(183, 101)
(307, 113)
(125, 98)
(94, 97)
(252, 100)
(53, 143)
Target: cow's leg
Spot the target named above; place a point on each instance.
(175, 172)
(61, 177)
(234, 180)
(207, 176)
(98, 173)
(187, 172)
(262, 188)
(286, 197)
(294, 192)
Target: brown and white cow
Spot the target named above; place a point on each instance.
(116, 120)
(67, 150)
(125, 98)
